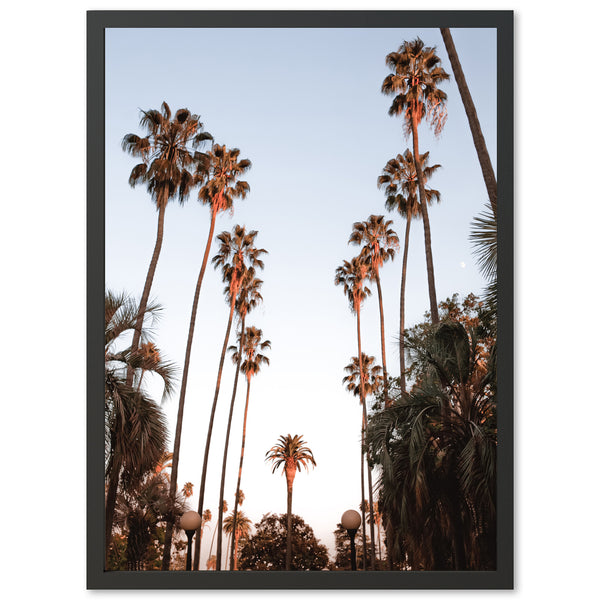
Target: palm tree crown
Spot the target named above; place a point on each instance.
(249, 296)
(399, 182)
(415, 81)
(372, 378)
(238, 259)
(167, 159)
(351, 275)
(221, 186)
(252, 346)
(291, 452)
(242, 526)
(378, 240)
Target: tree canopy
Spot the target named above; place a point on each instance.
(265, 550)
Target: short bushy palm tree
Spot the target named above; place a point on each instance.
(351, 275)
(378, 243)
(135, 427)
(437, 450)
(141, 508)
(414, 83)
(399, 181)
(238, 259)
(219, 174)
(290, 453)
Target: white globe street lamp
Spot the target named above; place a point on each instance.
(351, 522)
(189, 522)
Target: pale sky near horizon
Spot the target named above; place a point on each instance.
(304, 105)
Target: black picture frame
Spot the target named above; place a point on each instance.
(97, 578)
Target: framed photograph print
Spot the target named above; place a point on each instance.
(300, 228)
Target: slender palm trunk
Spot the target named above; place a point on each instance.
(370, 488)
(362, 494)
(224, 468)
(480, 147)
(137, 333)
(423, 202)
(382, 331)
(290, 486)
(186, 365)
(239, 481)
(197, 544)
(402, 304)
(364, 406)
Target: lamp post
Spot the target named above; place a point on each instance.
(190, 521)
(351, 522)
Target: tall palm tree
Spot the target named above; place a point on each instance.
(371, 384)
(250, 352)
(478, 140)
(219, 190)
(167, 169)
(248, 298)
(238, 259)
(135, 427)
(379, 242)
(417, 74)
(238, 525)
(292, 454)
(351, 275)
(399, 180)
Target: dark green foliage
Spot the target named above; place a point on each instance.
(141, 512)
(436, 446)
(475, 317)
(484, 237)
(266, 549)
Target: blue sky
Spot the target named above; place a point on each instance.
(304, 105)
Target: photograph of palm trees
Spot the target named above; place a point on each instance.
(309, 211)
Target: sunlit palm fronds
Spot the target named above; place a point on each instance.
(416, 74)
